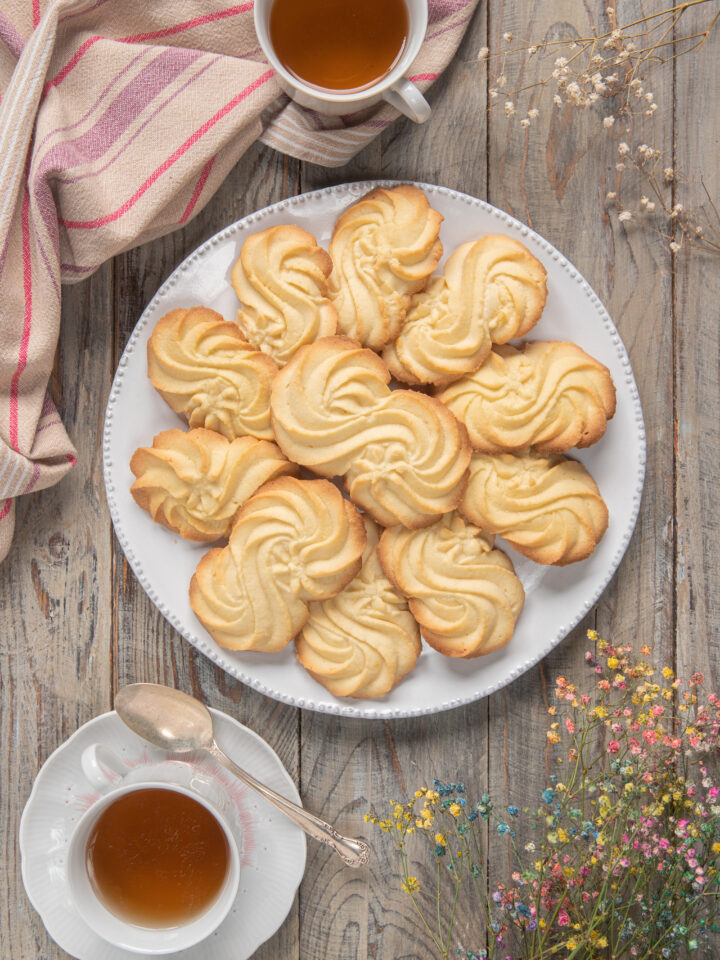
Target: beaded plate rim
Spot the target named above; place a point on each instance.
(352, 710)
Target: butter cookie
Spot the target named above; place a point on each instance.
(295, 541)
(194, 482)
(549, 395)
(403, 455)
(546, 505)
(362, 642)
(281, 280)
(207, 372)
(463, 593)
(492, 289)
(383, 248)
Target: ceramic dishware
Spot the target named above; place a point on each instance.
(113, 779)
(557, 598)
(394, 87)
(271, 848)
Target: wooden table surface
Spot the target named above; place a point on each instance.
(75, 625)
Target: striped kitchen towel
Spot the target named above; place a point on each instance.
(118, 121)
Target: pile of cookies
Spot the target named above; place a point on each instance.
(470, 445)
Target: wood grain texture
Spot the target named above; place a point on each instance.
(554, 176)
(145, 646)
(347, 766)
(697, 370)
(74, 623)
(55, 609)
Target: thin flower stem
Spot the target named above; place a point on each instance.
(419, 912)
(438, 900)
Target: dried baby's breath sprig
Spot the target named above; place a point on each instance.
(677, 225)
(610, 65)
(605, 74)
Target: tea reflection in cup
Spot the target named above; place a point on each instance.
(155, 834)
(342, 56)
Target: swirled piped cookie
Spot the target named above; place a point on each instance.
(194, 482)
(548, 394)
(383, 248)
(206, 371)
(295, 541)
(362, 642)
(281, 280)
(403, 455)
(491, 290)
(463, 593)
(546, 505)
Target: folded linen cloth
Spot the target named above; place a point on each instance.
(119, 119)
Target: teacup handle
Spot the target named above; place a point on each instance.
(102, 767)
(405, 97)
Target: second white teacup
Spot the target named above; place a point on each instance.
(111, 777)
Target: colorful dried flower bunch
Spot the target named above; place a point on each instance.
(625, 858)
(607, 72)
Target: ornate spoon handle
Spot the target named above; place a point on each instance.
(355, 853)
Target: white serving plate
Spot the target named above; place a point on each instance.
(557, 598)
(272, 848)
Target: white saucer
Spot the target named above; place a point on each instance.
(272, 848)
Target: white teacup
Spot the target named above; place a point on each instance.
(395, 88)
(108, 774)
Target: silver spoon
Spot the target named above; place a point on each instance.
(178, 723)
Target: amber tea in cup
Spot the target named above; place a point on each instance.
(157, 858)
(339, 45)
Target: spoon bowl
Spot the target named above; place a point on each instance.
(167, 718)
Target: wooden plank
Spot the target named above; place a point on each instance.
(346, 766)
(146, 648)
(55, 601)
(697, 366)
(554, 176)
